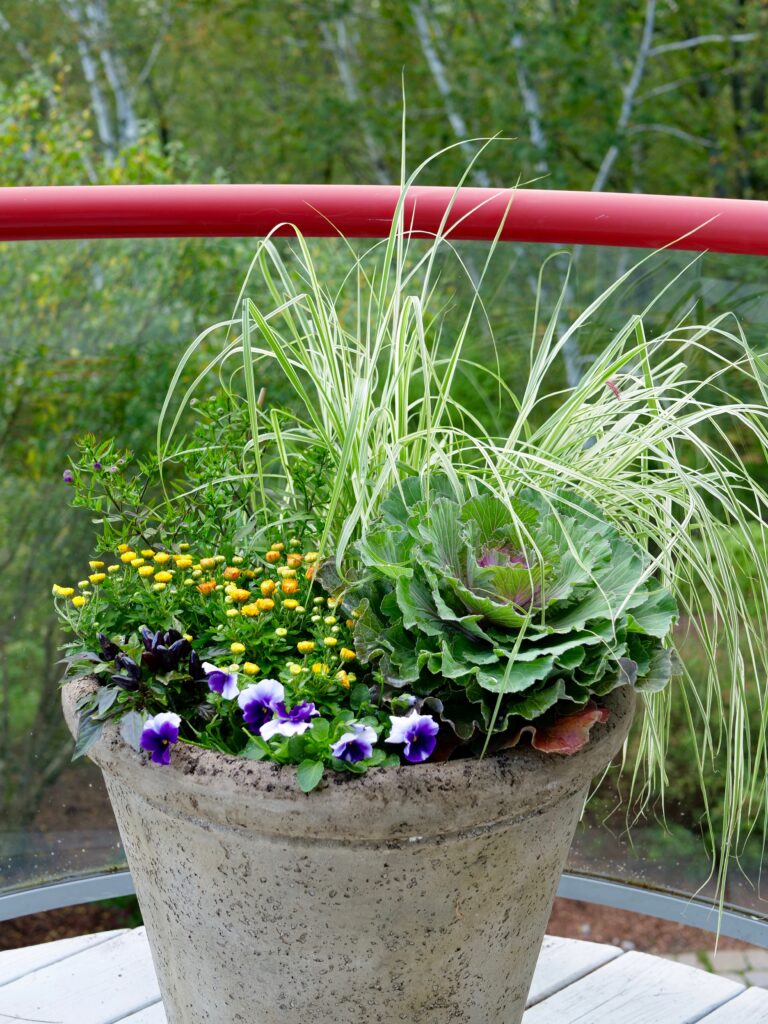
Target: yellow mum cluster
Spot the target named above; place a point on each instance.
(279, 583)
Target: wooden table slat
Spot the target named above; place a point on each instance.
(154, 1014)
(751, 1007)
(636, 988)
(99, 985)
(15, 963)
(563, 961)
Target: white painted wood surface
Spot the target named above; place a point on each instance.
(636, 989)
(15, 963)
(100, 985)
(751, 1007)
(108, 978)
(563, 961)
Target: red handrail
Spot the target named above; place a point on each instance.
(365, 211)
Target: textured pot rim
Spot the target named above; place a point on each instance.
(430, 798)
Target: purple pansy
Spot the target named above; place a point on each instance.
(417, 732)
(289, 723)
(355, 745)
(158, 735)
(221, 681)
(68, 477)
(260, 701)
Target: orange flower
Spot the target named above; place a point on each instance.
(294, 560)
(231, 573)
(289, 586)
(207, 587)
(310, 572)
(272, 556)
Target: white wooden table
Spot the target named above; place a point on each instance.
(108, 978)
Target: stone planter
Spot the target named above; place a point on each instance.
(416, 894)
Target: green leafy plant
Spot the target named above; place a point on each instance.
(504, 612)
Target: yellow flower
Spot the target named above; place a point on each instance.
(183, 561)
(290, 604)
(265, 604)
(62, 591)
(346, 654)
(237, 560)
(250, 610)
(343, 678)
(97, 577)
(136, 562)
(122, 548)
(148, 553)
(159, 586)
(305, 646)
(113, 568)
(281, 631)
(183, 547)
(230, 588)
(311, 556)
(237, 648)
(207, 563)
(330, 620)
(164, 576)
(96, 565)
(240, 595)
(268, 587)
(232, 613)
(188, 637)
(272, 556)
(83, 583)
(251, 668)
(294, 560)
(319, 668)
(330, 641)
(294, 669)
(333, 601)
(277, 547)
(79, 601)
(284, 571)
(162, 557)
(146, 570)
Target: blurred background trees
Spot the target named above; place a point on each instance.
(653, 96)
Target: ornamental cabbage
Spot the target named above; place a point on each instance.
(498, 613)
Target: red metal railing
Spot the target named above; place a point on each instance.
(365, 211)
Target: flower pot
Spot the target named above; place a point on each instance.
(416, 894)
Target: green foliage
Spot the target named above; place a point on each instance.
(506, 610)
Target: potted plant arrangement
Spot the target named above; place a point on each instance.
(349, 660)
